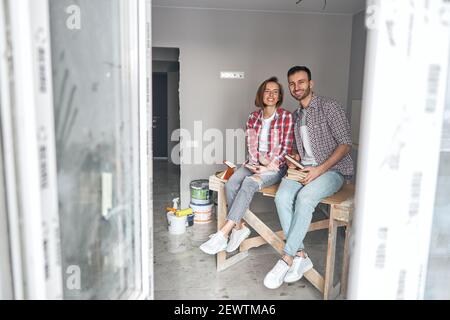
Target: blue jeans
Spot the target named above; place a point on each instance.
(240, 189)
(296, 204)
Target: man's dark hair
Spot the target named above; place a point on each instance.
(298, 69)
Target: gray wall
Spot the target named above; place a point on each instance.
(258, 43)
(358, 56)
(355, 87)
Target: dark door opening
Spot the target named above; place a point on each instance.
(160, 135)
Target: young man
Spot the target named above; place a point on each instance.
(322, 144)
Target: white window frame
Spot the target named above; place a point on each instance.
(21, 121)
(9, 155)
(138, 53)
(27, 219)
(394, 198)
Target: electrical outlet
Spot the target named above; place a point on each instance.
(232, 75)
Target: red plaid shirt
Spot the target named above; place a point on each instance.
(280, 137)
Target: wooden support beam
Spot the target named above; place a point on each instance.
(232, 260)
(319, 225)
(257, 241)
(221, 257)
(265, 232)
(331, 254)
(315, 278)
(346, 260)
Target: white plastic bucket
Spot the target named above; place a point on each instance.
(177, 225)
(203, 213)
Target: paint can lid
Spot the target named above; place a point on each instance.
(200, 184)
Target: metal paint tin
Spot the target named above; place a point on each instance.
(200, 193)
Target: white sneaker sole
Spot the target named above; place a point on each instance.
(272, 287)
(309, 267)
(211, 252)
(247, 234)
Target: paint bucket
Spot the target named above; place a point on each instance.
(200, 192)
(203, 213)
(190, 220)
(201, 233)
(177, 225)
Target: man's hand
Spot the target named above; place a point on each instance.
(311, 174)
(296, 156)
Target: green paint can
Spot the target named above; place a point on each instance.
(200, 192)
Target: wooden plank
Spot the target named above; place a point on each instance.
(221, 208)
(319, 225)
(272, 195)
(340, 214)
(331, 254)
(270, 191)
(215, 183)
(345, 263)
(335, 292)
(257, 241)
(221, 257)
(232, 260)
(315, 278)
(213, 186)
(215, 177)
(265, 232)
(347, 192)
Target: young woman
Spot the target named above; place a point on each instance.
(269, 138)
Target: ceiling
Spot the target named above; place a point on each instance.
(305, 6)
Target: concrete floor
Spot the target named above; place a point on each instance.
(183, 271)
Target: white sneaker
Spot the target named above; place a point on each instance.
(236, 238)
(274, 279)
(298, 268)
(217, 243)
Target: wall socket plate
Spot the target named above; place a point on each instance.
(232, 75)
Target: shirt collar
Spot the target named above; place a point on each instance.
(277, 112)
(312, 103)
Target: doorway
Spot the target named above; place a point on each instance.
(166, 106)
(160, 134)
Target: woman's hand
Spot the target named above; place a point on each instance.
(252, 167)
(273, 167)
(262, 169)
(270, 168)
